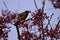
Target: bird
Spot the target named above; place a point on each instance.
(22, 16)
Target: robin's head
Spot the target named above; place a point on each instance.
(27, 11)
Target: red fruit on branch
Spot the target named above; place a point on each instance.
(56, 3)
(7, 20)
(13, 16)
(1, 20)
(35, 22)
(39, 13)
(1, 32)
(51, 33)
(37, 16)
(46, 29)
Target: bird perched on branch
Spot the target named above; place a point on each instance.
(22, 16)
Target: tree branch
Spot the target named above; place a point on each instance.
(18, 33)
(43, 3)
(35, 4)
(49, 20)
(5, 5)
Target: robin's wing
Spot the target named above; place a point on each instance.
(20, 15)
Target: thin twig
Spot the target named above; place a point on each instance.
(35, 4)
(18, 7)
(43, 3)
(49, 20)
(5, 5)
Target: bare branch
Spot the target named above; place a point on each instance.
(5, 5)
(43, 3)
(18, 33)
(49, 20)
(35, 4)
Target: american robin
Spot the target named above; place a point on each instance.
(22, 16)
